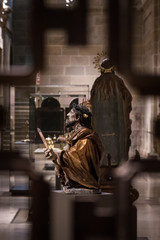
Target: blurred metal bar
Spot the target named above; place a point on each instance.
(74, 21)
(120, 33)
(39, 210)
(124, 174)
(120, 42)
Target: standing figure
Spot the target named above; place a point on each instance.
(77, 165)
(111, 106)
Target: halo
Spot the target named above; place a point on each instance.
(98, 60)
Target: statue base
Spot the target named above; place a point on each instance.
(76, 211)
(85, 216)
(81, 191)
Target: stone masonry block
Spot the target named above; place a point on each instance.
(96, 3)
(90, 70)
(79, 80)
(82, 60)
(90, 50)
(75, 70)
(45, 79)
(56, 37)
(96, 38)
(59, 80)
(59, 60)
(50, 49)
(100, 20)
(55, 70)
(67, 50)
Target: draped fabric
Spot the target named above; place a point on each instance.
(79, 166)
(111, 106)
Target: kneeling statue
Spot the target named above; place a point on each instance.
(78, 164)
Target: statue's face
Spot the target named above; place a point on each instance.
(71, 118)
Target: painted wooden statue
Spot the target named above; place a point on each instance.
(111, 107)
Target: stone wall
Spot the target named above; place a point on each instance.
(145, 61)
(21, 38)
(73, 65)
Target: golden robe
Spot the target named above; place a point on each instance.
(79, 166)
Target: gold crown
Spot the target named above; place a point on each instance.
(87, 104)
(97, 62)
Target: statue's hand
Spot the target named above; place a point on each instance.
(61, 139)
(50, 154)
(66, 147)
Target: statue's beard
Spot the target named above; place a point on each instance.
(70, 123)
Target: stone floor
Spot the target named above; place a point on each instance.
(9, 206)
(148, 220)
(148, 205)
